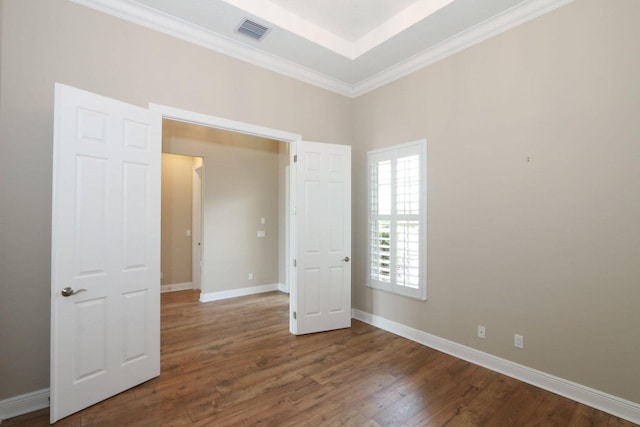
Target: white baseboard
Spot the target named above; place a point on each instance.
(596, 399)
(176, 287)
(29, 402)
(283, 288)
(232, 293)
(23, 404)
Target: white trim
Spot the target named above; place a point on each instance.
(596, 399)
(346, 47)
(233, 293)
(176, 287)
(288, 245)
(510, 18)
(151, 18)
(246, 128)
(196, 222)
(282, 17)
(23, 404)
(292, 281)
(283, 288)
(400, 22)
(172, 113)
(29, 402)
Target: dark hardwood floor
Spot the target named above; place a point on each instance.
(233, 362)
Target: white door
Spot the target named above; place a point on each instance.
(105, 337)
(321, 296)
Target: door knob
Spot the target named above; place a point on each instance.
(346, 259)
(68, 291)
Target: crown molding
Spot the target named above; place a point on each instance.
(175, 27)
(281, 17)
(498, 24)
(164, 23)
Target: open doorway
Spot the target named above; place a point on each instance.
(181, 238)
(243, 207)
(134, 198)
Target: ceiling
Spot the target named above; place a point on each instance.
(347, 46)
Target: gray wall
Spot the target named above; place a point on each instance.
(547, 248)
(240, 186)
(57, 40)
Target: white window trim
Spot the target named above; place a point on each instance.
(392, 153)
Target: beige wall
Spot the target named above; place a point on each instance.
(57, 40)
(240, 186)
(1, 45)
(547, 248)
(175, 251)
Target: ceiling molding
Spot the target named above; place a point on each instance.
(396, 24)
(507, 20)
(283, 18)
(172, 26)
(164, 23)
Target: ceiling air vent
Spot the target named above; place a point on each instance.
(252, 29)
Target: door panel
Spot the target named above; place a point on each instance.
(91, 341)
(91, 238)
(322, 294)
(105, 338)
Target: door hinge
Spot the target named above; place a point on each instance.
(295, 158)
(295, 316)
(295, 263)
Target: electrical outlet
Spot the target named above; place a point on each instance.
(482, 332)
(250, 276)
(518, 341)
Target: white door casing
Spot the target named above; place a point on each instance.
(322, 294)
(105, 338)
(196, 227)
(293, 224)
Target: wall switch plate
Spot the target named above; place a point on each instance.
(261, 233)
(482, 332)
(518, 341)
(263, 221)
(250, 276)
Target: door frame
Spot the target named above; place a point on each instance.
(196, 225)
(292, 139)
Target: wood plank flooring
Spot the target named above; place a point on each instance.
(233, 362)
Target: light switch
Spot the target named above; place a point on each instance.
(188, 233)
(263, 221)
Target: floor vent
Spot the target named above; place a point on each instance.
(252, 29)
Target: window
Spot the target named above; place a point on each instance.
(397, 219)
